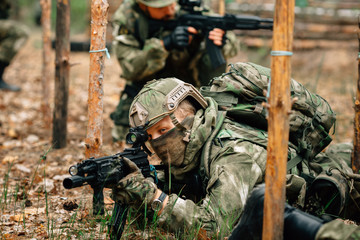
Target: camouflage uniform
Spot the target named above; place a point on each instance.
(229, 156)
(338, 230)
(13, 36)
(142, 57)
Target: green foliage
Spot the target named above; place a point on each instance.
(29, 11)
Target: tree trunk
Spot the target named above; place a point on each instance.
(278, 121)
(46, 68)
(355, 159)
(62, 66)
(99, 13)
(222, 7)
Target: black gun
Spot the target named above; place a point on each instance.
(106, 172)
(205, 23)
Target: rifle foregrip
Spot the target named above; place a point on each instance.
(216, 57)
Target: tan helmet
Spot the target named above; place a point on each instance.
(156, 3)
(160, 98)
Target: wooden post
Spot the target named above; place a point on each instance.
(355, 158)
(62, 66)
(278, 121)
(46, 68)
(93, 141)
(222, 7)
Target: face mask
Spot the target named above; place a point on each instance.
(171, 146)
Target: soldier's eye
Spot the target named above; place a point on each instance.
(163, 130)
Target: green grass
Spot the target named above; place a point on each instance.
(29, 10)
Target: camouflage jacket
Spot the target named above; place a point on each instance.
(142, 56)
(231, 158)
(338, 230)
(233, 168)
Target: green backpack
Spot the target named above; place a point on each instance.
(240, 92)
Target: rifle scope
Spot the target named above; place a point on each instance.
(137, 136)
(190, 3)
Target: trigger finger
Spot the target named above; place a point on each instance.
(192, 30)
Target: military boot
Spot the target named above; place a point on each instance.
(3, 84)
(297, 224)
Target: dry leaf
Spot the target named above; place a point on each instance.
(9, 159)
(12, 133)
(8, 236)
(34, 211)
(17, 218)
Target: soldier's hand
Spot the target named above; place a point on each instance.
(180, 38)
(134, 189)
(217, 35)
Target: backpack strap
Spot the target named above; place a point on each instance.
(293, 162)
(205, 155)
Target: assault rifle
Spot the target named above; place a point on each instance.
(106, 172)
(205, 23)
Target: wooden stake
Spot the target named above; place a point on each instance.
(355, 158)
(62, 67)
(46, 68)
(278, 121)
(99, 14)
(221, 7)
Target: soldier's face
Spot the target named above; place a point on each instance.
(164, 13)
(160, 128)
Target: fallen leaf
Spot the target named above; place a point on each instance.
(9, 159)
(8, 236)
(17, 218)
(34, 211)
(12, 133)
(22, 168)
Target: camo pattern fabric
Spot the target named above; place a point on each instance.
(237, 159)
(134, 189)
(13, 36)
(236, 166)
(338, 230)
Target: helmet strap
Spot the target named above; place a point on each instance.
(182, 127)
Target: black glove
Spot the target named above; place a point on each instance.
(178, 39)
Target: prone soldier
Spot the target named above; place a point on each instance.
(192, 136)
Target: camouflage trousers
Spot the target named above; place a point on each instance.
(13, 36)
(338, 230)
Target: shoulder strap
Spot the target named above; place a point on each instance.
(293, 162)
(205, 155)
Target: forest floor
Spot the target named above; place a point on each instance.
(33, 202)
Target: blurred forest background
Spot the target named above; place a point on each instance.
(33, 202)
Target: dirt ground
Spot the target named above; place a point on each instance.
(33, 202)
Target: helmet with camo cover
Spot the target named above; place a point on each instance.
(156, 3)
(160, 98)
